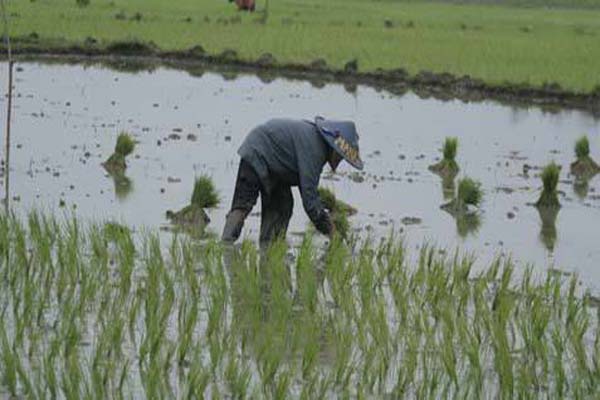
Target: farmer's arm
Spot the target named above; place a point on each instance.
(309, 183)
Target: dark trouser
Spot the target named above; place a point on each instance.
(277, 206)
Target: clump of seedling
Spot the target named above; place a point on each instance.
(549, 196)
(469, 194)
(463, 207)
(584, 167)
(331, 202)
(447, 168)
(203, 320)
(203, 196)
(116, 162)
(339, 210)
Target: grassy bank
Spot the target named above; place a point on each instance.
(495, 43)
(92, 312)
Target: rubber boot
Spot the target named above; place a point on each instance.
(233, 225)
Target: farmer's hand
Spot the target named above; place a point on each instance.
(324, 224)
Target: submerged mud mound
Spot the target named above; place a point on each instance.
(115, 165)
(447, 169)
(585, 168)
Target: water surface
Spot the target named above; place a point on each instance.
(67, 117)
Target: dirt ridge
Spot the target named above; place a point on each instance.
(443, 86)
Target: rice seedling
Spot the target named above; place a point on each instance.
(447, 168)
(584, 167)
(205, 194)
(116, 163)
(549, 196)
(469, 193)
(194, 216)
(463, 207)
(338, 210)
(369, 320)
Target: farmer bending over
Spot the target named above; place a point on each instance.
(278, 155)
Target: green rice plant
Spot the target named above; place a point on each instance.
(549, 195)
(309, 354)
(9, 362)
(582, 148)
(450, 147)
(188, 315)
(125, 144)
(339, 328)
(447, 168)
(469, 192)
(306, 275)
(197, 380)
(205, 194)
(282, 386)
(237, 377)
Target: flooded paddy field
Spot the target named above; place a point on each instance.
(93, 310)
(67, 118)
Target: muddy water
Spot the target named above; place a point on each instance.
(66, 119)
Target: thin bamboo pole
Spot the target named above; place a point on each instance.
(8, 110)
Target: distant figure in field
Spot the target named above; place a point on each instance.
(247, 5)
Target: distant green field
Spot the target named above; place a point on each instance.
(497, 43)
(518, 3)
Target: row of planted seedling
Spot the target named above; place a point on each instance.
(463, 204)
(468, 197)
(92, 312)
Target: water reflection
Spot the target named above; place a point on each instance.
(467, 224)
(123, 185)
(548, 233)
(448, 187)
(581, 188)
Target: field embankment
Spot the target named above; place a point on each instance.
(554, 50)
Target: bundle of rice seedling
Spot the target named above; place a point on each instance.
(116, 162)
(339, 210)
(204, 196)
(584, 167)
(447, 167)
(549, 195)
